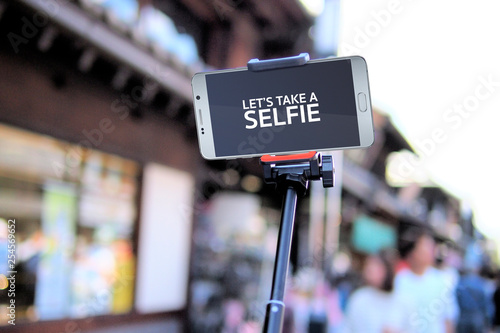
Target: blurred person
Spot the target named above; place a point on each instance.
(346, 284)
(29, 255)
(429, 291)
(488, 274)
(496, 302)
(451, 273)
(318, 314)
(472, 302)
(333, 308)
(375, 308)
(234, 315)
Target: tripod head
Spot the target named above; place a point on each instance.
(297, 170)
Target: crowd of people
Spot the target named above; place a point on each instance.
(410, 289)
(407, 292)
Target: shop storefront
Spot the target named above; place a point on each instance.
(74, 234)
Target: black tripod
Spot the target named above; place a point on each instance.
(291, 174)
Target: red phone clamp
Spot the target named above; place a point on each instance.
(297, 170)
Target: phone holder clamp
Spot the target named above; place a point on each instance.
(256, 65)
(297, 170)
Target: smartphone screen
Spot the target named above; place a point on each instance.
(309, 107)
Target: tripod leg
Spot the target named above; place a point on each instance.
(275, 310)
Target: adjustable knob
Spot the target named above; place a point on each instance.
(328, 171)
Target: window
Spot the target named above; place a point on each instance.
(75, 212)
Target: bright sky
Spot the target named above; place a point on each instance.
(434, 66)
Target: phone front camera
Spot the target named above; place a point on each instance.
(198, 97)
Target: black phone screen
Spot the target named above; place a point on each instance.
(308, 107)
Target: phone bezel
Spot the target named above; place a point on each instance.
(204, 122)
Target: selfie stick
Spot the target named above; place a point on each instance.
(291, 175)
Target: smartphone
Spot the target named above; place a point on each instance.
(322, 105)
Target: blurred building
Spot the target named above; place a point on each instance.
(376, 210)
(100, 167)
(120, 224)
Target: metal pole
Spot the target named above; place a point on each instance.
(275, 311)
